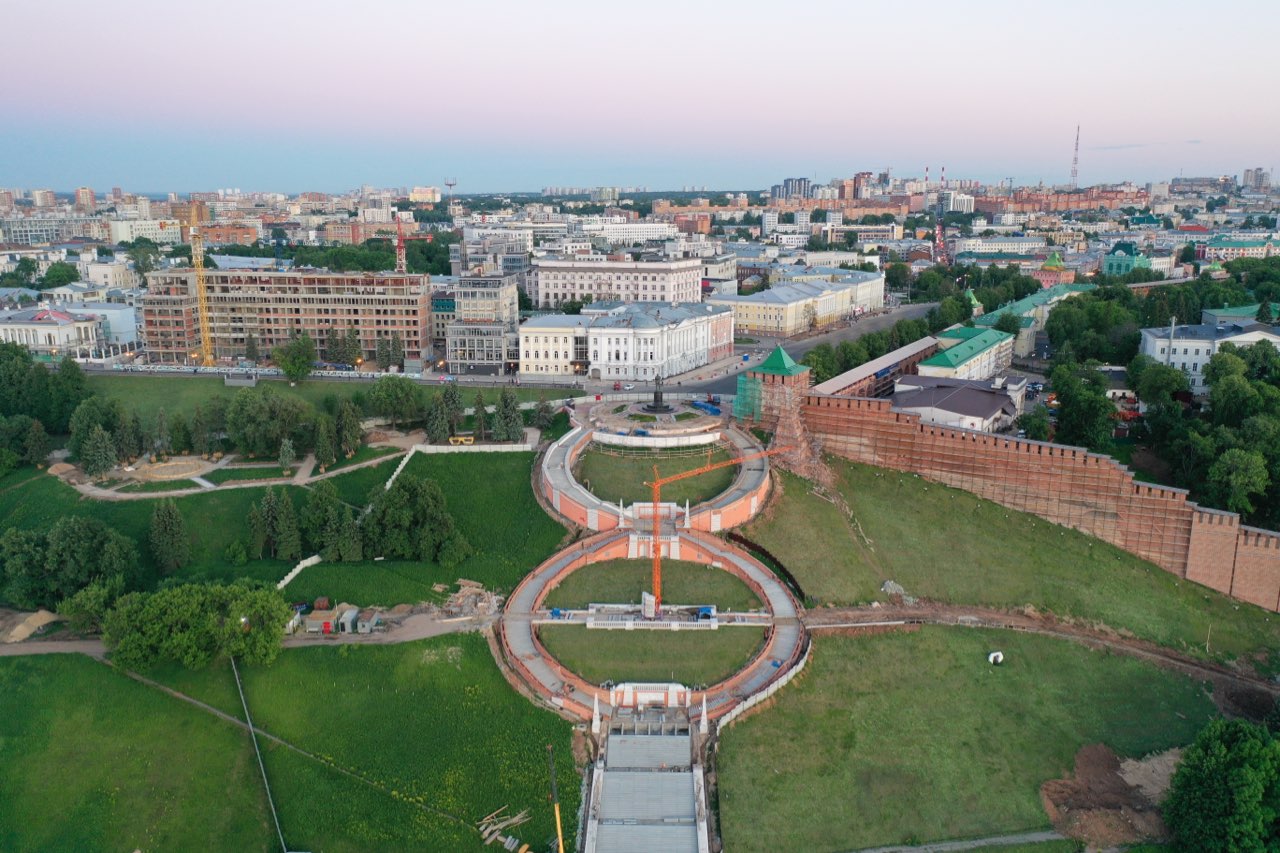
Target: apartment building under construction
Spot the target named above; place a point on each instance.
(275, 306)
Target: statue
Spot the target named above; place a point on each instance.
(657, 407)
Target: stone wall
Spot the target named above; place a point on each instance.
(1066, 485)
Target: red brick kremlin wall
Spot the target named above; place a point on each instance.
(1066, 485)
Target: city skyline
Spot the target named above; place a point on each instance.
(515, 98)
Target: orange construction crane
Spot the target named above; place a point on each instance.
(402, 257)
(656, 486)
(202, 292)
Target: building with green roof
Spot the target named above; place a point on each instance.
(1123, 259)
(1035, 307)
(780, 364)
(969, 353)
(1237, 314)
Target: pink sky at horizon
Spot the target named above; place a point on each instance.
(500, 91)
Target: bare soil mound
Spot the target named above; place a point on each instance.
(1097, 806)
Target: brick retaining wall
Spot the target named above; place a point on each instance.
(1066, 485)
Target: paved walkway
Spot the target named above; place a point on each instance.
(971, 843)
(567, 691)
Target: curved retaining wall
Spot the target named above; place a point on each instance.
(738, 504)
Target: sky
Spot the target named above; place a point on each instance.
(292, 96)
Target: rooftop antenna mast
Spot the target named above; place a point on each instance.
(1075, 161)
(450, 183)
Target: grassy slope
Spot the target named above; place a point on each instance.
(689, 657)
(268, 472)
(214, 519)
(622, 581)
(490, 496)
(432, 719)
(149, 393)
(948, 545)
(90, 760)
(614, 477)
(915, 736)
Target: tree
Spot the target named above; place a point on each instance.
(326, 442)
(542, 416)
(453, 406)
(285, 533)
(160, 431)
(508, 423)
(144, 253)
(350, 433)
(382, 354)
(321, 520)
(196, 624)
(397, 350)
(93, 412)
(1222, 365)
(296, 358)
(39, 570)
(1237, 476)
(1224, 795)
(396, 397)
(58, 274)
(98, 454)
(1158, 383)
(258, 419)
(250, 348)
(170, 544)
(481, 417)
(437, 420)
(35, 445)
(1264, 313)
(350, 549)
(287, 455)
(1085, 413)
(87, 609)
(1008, 322)
(897, 277)
(333, 345)
(352, 352)
(129, 437)
(1035, 423)
(199, 429)
(1233, 398)
(410, 521)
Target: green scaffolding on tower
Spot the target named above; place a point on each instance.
(746, 405)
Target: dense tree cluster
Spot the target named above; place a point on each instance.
(376, 255)
(410, 521)
(1225, 794)
(273, 527)
(195, 624)
(40, 569)
(826, 361)
(28, 388)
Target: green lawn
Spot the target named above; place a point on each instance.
(363, 454)
(258, 472)
(147, 486)
(622, 581)
(385, 582)
(915, 736)
(214, 519)
(149, 393)
(948, 545)
(432, 720)
(688, 657)
(611, 478)
(90, 760)
(354, 486)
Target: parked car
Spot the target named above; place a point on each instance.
(628, 387)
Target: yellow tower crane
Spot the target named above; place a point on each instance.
(202, 293)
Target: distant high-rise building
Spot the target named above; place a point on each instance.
(1257, 180)
(117, 194)
(6, 199)
(424, 195)
(768, 222)
(86, 201)
(795, 188)
(43, 198)
(802, 220)
(862, 185)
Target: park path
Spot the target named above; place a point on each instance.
(838, 618)
(971, 843)
(92, 648)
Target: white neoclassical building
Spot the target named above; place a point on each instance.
(626, 342)
(49, 331)
(557, 280)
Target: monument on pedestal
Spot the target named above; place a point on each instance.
(657, 407)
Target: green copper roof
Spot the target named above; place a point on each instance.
(780, 364)
(1023, 307)
(1248, 311)
(970, 346)
(1054, 262)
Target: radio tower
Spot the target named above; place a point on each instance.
(450, 183)
(1075, 161)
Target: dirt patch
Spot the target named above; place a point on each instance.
(1242, 700)
(1096, 805)
(1144, 459)
(584, 748)
(1151, 775)
(26, 624)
